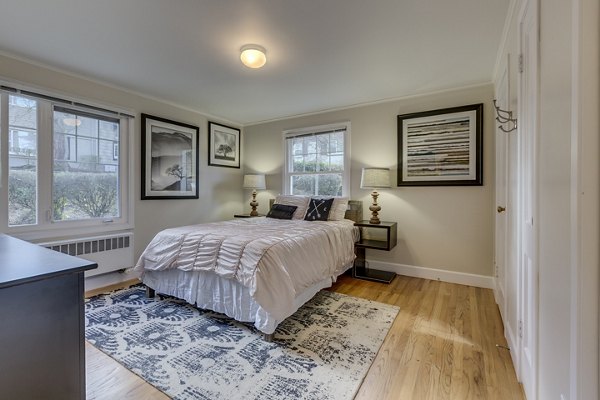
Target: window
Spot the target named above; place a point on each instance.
(22, 161)
(63, 166)
(317, 161)
(85, 180)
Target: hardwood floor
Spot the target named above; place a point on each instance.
(442, 345)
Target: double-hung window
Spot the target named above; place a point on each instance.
(317, 160)
(64, 166)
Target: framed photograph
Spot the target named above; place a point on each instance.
(441, 147)
(169, 159)
(223, 145)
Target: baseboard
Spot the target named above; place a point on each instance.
(462, 278)
(111, 278)
(512, 345)
(499, 296)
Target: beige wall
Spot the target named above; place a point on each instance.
(448, 228)
(219, 190)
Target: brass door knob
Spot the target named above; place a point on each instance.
(501, 209)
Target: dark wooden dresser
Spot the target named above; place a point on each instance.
(42, 349)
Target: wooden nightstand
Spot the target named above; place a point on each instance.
(386, 242)
(247, 216)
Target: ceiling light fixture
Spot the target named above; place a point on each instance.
(253, 55)
(72, 121)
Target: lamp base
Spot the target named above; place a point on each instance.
(254, 204)
(374, 220)
(374, 209)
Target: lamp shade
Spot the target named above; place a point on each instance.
(375, 178)
(254, 181)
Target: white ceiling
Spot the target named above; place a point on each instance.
(321, 54)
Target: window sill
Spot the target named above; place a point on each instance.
(36, 234)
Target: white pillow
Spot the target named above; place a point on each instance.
(299, 201)
(338, 209)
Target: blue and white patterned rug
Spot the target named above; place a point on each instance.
(323, 351)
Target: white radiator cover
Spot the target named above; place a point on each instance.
(111, 252)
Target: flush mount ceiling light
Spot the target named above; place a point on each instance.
(72, 121)
(253, 55)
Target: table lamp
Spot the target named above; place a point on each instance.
(375, 178)
(254, 181)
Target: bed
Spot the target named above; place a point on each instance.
(258, 270)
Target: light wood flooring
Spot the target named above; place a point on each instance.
(442, 345)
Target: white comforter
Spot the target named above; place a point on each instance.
(275, 259)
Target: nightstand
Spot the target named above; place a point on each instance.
(385, 239)
(247, 216)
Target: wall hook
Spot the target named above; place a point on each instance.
(505, 117)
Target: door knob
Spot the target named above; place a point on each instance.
(501, 209)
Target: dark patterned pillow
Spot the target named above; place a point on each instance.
(281, 211)
(318, 209)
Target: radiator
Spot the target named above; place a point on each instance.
(111, 252)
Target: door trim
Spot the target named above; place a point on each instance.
(527, 280)
(502, 91)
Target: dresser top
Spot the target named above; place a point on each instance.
(23, 262)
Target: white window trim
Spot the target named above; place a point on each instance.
(316, 129)
(45, 228)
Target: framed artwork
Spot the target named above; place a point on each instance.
(223, 145)
(169, 159)
(441, 147)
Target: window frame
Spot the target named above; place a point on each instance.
(45, 226)
(316, 130)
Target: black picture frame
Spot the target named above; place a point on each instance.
(441, 147)
(222, 140)
(170, 165)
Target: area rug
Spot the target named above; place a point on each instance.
(323, 351)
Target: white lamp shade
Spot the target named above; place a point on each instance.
(375, 178)
(254, 181)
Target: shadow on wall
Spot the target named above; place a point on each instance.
(230, 189)
(400, 252)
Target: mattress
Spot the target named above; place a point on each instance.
(254, 269)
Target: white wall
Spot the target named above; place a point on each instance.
(445, 228)
(568, 203)
(568, 185)
(220, 195)
(554, 198)
(585, 195)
